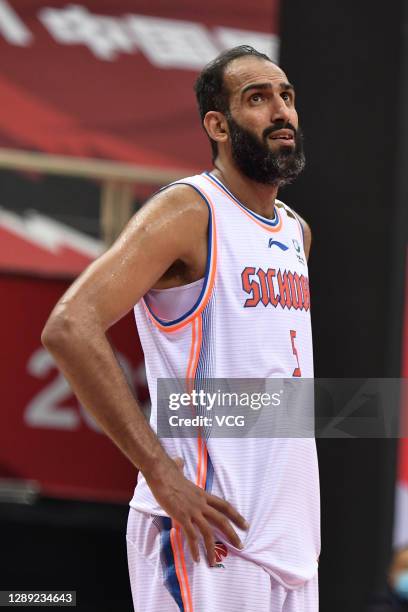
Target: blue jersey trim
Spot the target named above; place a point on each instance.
(207, 266)
(210, 473)
(170, 575)
(271, 222)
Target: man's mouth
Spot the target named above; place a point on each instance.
(282, 135)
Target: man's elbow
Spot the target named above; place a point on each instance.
(58, 330)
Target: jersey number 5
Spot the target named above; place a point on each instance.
(296, 371)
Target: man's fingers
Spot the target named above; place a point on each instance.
(192, 540)
(225, 508)
(208, 538)
(223, 524)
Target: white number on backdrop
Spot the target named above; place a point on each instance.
(45, 409)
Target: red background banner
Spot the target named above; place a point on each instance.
(115, 80)
(46, 435)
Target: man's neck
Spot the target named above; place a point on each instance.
(255, 196)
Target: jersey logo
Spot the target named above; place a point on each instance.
(220, 551)
(297, 249)
(280, 245)
(296, 245)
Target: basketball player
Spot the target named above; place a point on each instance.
(217, 268)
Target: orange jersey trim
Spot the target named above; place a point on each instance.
(241, 207)
(181, 572)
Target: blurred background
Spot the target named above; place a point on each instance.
(96, 112)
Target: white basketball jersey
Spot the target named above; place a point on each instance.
(251, 320)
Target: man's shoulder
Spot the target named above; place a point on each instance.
(178, 197)
(306, 231)
(292, 213)
(186, 184)
(288, 209)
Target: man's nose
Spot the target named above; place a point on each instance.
(279, 111)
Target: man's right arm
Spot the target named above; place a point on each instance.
(166, 230)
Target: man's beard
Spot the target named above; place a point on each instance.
(257, 161)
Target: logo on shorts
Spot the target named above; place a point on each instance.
(220, 552)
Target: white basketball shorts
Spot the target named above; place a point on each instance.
(164, 578)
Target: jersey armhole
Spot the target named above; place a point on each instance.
(209, 277)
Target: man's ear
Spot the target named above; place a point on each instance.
(216, 126)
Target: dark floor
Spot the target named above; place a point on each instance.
(57, 545)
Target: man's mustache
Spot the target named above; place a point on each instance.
(281, 126)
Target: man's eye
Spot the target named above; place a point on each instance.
(257, 97)
(286, 96)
